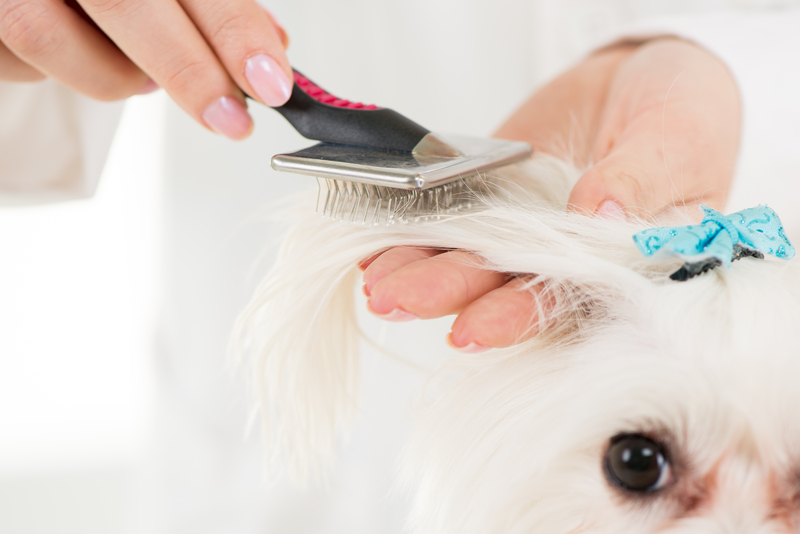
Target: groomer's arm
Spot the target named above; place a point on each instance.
(202, 52)
(657, 125)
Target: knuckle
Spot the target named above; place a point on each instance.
(623, 181)
(28, 28)
(184, 72)
(228, 29)
(114, 8)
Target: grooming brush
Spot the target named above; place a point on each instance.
(376, 167)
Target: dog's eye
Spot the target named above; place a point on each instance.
(637, 463)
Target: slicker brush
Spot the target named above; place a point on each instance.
(376, 167)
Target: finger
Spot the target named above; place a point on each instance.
(149, 86)
(642, 176)
(503, 317)
(76, 7)
(670, 143)
(365, 263)
(161, 38)
(248, 44)
(384, 264)
(13, 69)
(57, 42)
(284, 37)
(435, 287)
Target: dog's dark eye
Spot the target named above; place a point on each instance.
(637, 463)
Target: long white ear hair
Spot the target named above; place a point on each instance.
(299, 338)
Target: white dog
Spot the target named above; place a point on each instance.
(644, 405)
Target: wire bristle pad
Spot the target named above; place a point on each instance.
(376, 206)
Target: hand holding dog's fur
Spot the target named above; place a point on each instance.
(657, 125)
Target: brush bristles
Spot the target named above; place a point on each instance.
(372, 205)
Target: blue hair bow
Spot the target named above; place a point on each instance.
(718, 240)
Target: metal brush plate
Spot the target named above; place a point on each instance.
(402, 170)
(379, 187)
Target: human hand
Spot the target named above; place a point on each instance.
(656, 124)
(200, 51)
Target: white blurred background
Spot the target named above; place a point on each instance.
(77, 308)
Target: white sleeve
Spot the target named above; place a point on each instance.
(53, 142)
(761, 51)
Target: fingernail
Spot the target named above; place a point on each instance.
(149, 87)
(268, 80)
(396, 315)
(609, 209)
(470, 348)
(366, 262)
(227, 116)
(473, 348)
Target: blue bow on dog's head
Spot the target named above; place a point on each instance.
(718, 240)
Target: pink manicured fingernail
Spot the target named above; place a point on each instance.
(268, 80)
(396, 315)
(149, 87)
(609, 209)
(229, 117)
(473, 348)
(470, 348)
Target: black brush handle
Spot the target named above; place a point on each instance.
(318, 115)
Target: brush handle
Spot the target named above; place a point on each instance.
(318, 115)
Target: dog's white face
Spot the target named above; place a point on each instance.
(678, 412)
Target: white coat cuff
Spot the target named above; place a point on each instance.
(54, 142)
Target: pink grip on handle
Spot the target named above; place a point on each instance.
(317, 93)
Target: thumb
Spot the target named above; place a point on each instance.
(668, 137)
(643, 176)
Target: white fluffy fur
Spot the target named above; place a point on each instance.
(516, 444)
